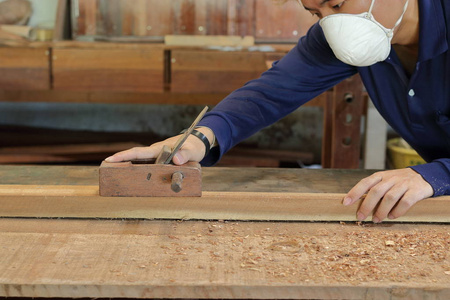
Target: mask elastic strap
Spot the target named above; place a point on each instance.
(401, 17)
(398, 21)
(371, 7)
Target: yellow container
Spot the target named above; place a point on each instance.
(402, 157)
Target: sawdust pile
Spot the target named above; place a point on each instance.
(317, 253)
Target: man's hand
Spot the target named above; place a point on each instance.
(193, 149)
(389, 194)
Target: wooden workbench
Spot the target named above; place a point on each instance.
(137, 258)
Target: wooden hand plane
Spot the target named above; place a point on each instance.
(144, 179)
(153, 178)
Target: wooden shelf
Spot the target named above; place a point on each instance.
(97, 72)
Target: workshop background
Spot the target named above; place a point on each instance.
(82, 79)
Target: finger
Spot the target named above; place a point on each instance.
(181, 157)
(190, 152)
(389, 201)
(374, 196)
(133, 153)
(409, 199)
(361, 188)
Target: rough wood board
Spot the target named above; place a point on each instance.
(226, 260)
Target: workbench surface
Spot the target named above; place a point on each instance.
(136, 258)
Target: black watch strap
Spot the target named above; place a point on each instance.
(202, 137)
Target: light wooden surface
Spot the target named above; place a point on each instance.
(227, 260)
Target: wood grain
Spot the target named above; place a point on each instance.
(348, 107)
(113, 70)
(150, 180)
(91, 258)
(241, 14)
(228, 193)
(79, 202)
(266, 20)
(158, 18)
(281, 21)
(270, 180)
(24, 69)
(211, 71)
(223, 260)
(48, 190)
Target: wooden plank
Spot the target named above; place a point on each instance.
(34, 158)
(211, 206)
(24, 69)
(223, 260)
(127, 17)
(228, 193)
(140, 17)
(281, 21)
(90, 18)
(217, 40)
(78, 14)
(61, 153)
(183, 14)
(159, 18)
(111, 14)
(241, 17)
(214, 179)
(216, 17)
(201, 16)
(69, 149)
(116, 70)
(48, 190)
(211, 71)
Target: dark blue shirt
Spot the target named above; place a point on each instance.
(417, 107)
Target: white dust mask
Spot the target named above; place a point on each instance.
(359, 40)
